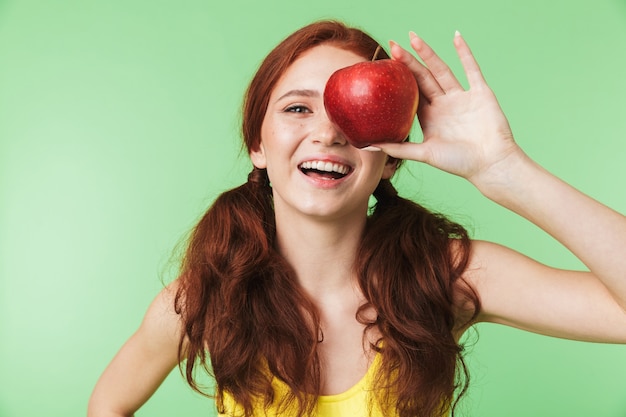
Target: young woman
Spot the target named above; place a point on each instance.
(303, 300)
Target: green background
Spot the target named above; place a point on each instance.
(119, 126)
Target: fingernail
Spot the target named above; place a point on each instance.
(457, 33)
(371, 149)
(392, 44)
(415, 40)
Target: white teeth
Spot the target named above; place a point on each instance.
(325, 166)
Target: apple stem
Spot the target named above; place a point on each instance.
(378, 48)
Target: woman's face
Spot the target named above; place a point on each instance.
(312, 168)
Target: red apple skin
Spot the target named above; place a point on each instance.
(372, 102)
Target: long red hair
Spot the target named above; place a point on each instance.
(246, 319)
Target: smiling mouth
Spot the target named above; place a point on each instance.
(324, 169)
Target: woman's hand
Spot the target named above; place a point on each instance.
(465, 132)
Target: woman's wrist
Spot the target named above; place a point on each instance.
(508, 181)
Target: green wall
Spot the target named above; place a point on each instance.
(119, 125)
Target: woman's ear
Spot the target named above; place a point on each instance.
(258, 157)
(390, 167)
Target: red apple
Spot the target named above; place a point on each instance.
(372, 102)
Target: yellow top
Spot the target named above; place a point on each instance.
(355, 402)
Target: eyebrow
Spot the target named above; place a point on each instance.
(305, 93)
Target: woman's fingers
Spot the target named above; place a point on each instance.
(405, 150)
(439, 70)
(472, 69)
(428, 86)
(435, 78)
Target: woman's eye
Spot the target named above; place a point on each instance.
(297, 109)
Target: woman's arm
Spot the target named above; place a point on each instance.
(142, 363)
(595, 233)
(585, 306)
(467, 134)
(518, 291)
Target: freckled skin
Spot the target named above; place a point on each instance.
(372, 102)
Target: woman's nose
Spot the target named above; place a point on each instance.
(327, 133)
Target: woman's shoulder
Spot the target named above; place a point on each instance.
(162, 323)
